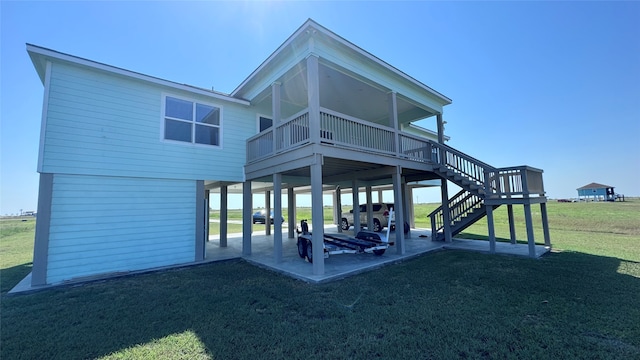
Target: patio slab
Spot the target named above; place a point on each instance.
(336, 266)
(341, 266)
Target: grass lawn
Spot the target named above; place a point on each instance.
(579, 302)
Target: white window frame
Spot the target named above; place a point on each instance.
(193, 122)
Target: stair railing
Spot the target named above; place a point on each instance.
(461, 163)
(460, 205)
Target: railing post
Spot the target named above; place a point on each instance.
(393, 120)
(487, 183)
(276, 114)
(525, 182)
(313, 98)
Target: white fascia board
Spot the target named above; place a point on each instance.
(40, 55)
(295, 36)
(355, 48)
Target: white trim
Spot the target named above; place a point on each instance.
(45, 110)
(193, 122)
(52, 54)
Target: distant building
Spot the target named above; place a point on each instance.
(597, 192)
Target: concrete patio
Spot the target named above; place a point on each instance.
(340, 266)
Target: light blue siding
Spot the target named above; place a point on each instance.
(106, 124)
(105, 224)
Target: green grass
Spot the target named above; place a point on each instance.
(580, 302)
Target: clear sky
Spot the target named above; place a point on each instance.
(553, 85)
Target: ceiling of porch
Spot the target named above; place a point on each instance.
(341, 91)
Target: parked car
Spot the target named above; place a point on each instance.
(260, 218)
(380, 217)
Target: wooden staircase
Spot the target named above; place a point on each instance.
(480, 182)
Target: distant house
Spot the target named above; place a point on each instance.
(597, 192)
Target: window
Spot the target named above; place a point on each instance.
(191, 122)
(265, 123)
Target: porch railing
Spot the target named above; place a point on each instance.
(340, 129)
(293, 132)
(516, 181)
(343, 130)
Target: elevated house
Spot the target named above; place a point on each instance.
(597, 192)
(127, 160)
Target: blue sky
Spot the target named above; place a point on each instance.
(553, 85)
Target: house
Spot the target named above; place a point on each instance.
(127, 160)
(597, 192)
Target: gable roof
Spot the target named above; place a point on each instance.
(40, 55)
(594, 186)
(311, 28)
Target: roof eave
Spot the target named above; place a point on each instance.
(39, 56)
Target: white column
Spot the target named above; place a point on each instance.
(530, 237)
(444, 192)
(491, 229)
(398, 209)
(317, 216)
(406, 201)
(247, 209)
(267, 215)
(512, 224)
(369, 208)
(277, 217)
(224, 211)
(313, 98)
(393, 119)
(339, 207)
(356, 206)
(412, 214)
(291, 209)
(275, 111)
(545, 224)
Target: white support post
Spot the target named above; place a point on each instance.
(267, 215)
(412, 214)
(339, 208)
(393, 120)
(407, 210)
(356, 206)
(276, 113)
(336, 214)
(291, 209)
(530, 237)
(491, 229)
(277, 217)
(398, 209)
(224, 211)
(313, 98)
(370, 222)
(247, 209)
(446, 219)
(512, 224)
(317, 216)
(545, 224)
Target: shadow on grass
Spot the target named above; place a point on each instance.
(441, 305)
(10, 277)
